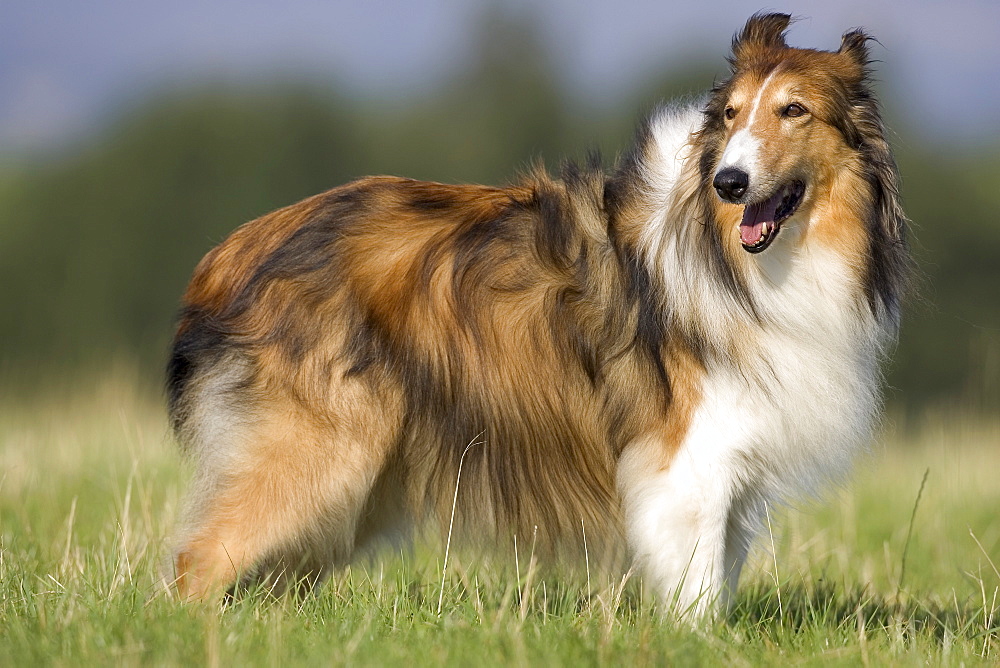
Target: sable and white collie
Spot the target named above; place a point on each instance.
(652, 355)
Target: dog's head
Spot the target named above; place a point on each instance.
(783, 127)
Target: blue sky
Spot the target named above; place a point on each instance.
(66, 63)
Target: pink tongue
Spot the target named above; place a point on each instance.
(754, 217)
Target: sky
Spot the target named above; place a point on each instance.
(65, 65)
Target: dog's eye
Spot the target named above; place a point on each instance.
(730, 113)
(793, 110)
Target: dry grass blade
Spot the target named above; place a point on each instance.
(909, 532)
(451, 523)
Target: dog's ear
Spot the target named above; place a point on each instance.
(762, 32)
(854, 48)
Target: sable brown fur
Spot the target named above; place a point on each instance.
(392, 322)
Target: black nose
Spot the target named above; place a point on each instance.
(731, 183)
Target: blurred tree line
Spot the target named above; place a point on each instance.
(96, 246)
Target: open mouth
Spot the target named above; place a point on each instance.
(762, 221)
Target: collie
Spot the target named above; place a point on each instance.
(651, 356)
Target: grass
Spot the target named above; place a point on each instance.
(89, 489)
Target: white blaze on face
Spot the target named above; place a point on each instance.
(743, 149)
(741, 152)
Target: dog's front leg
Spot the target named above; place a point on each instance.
(680, 525)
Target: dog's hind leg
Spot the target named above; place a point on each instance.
(283, 504)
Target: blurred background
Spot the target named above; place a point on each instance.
(135, 135)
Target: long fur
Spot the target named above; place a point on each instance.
(612, 354)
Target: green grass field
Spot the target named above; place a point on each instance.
(90, 484)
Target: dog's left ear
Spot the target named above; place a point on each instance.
(854, 47)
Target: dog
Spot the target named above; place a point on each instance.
(651, 355)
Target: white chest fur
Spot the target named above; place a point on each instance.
(771, 424)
